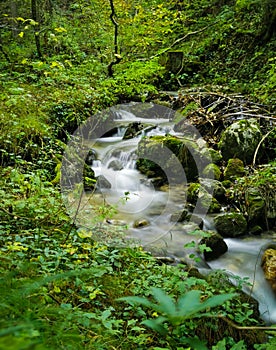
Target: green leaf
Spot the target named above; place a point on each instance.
(166, 303)
(137, 300)
(196, 343)
(157, 325)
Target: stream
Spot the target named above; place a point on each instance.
(146, 211)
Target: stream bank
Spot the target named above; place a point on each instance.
(149, 205)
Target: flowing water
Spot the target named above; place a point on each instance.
(137, 200)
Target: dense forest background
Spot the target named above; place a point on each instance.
(61, 62)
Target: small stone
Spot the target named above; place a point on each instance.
(140, 223)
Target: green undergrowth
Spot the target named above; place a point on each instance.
(60, 289)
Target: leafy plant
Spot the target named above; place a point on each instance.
(175, 313)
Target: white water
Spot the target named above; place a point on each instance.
(155, 206)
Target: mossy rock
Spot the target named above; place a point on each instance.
(174, 159)
(240, 140)
(133, 130)
(255, 207)
(199, 196)
(231, 224)
(234, 169)
(215, 155)
(213, 187)
(212, 171)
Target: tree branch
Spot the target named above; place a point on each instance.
(179, 40)
(118, 58)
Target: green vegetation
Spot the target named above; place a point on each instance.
(60, 63)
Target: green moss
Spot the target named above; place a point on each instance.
(231, 224)
(234, 169)
(212, 171)
(240, 140)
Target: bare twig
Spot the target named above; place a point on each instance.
(259, 145)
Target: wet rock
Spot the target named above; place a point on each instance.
(116, 165)
(140, 223)
(111, 132)
(91, 156)
(116, 222)
(172, 158)
(234, 169)
(240, 140)
(189, 227)
(199, 196)
(132, 130)
(102, 182)
(217, 245)
(231, 224)
(180, 216)
(196, 219)
(269, 266)
(213, 187)
(212, 171)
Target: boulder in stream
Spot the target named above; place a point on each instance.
(102, 182)
(213, 187)
(240, 140)
(199, 196)
(133, 130)
(116, 165)
(216, 243)
(231, 224)
(269, 266)
(174, 159)
(91, 156)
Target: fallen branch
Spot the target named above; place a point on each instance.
(234, 325)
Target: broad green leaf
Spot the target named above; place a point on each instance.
(138, 301)
(157, 325)
(166, 303)
(196, 343)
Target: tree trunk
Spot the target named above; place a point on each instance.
(116, 49)
(35, 17)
